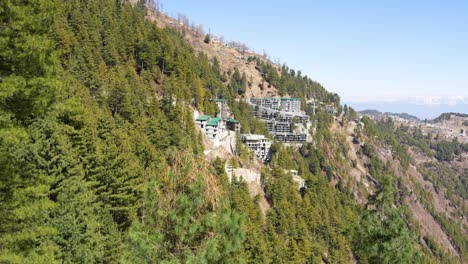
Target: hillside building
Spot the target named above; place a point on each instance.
(259, 144)
(282, 116)
(290, 137)
(201, 121)
(292, 105)
(279, 127)
(296, 178)
(213, 127)
(232, 124)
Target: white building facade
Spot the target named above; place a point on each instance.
(259, 144)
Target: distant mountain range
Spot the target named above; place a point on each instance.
(446, 116)
(376, 113)
(422, 107)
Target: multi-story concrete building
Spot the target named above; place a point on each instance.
(259, 144)
(232, 124)
(298, 118)
(279, 109)
(213, 127)
(278, 127)
(201, 121)
(290, 137)
(292, 105)
(281, 114)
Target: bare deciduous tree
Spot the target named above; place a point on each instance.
(156, 6)
(181, 18)
(200, 31)
(241, 47)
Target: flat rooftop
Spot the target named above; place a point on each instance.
(214, 121)
(253, 136)
(203, 118)
(232, 120)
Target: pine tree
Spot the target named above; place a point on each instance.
(28, 73)
(185, 221)
(26, 233)
(199, 94)
(207, 39)
(381, 235)
(29, 68)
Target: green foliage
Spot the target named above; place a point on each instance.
(381, 234)
(388, 134)
(255, 246)
(293, 83)
(185, 221)
(238, 83)
(452, 228)
(92, 96)
(446, 151)
(414, 138)
(241, 150)
(455, 180)
(397, 137)
(249, 124)
(26, 234)
(207, 39)
(28, 85)
(29, 62)
(438, 254)
(100, 161)
(368, 150)
(312, 224)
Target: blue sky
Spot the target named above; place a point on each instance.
(363, 50)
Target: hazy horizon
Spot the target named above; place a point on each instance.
(420, 111)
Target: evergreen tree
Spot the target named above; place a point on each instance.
(185, 220)
(207, 39)
(381, 235)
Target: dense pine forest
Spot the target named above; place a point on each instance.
(100, 161)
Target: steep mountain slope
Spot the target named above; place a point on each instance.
(432, 186)
(429, 225)
(228, 56)
(100, 161)
(262, 77)
(412, 178)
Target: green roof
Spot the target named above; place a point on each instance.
(213, 121)
(231, 120)
(203, 118)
